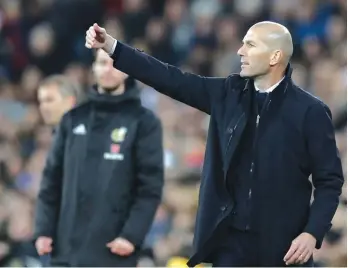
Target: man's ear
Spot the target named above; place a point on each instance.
(276, 57)
(72, 101)
(93, 68)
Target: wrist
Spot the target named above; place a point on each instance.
(310, 235)
(109, 44)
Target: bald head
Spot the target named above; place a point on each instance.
(267, 49)
(276, 37)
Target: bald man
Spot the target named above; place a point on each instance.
(266, 138)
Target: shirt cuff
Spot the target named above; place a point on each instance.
(113, 48)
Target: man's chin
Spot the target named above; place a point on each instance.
(245, 74)
(50, 123)
(109, 88)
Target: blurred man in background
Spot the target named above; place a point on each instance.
(103, 179)
(57, 95)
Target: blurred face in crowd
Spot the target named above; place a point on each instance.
(108, 78)
(266, 46)
(53, 103)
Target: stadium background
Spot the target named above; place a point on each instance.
(43, 37)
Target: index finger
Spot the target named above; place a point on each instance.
(91, 31)
(291, 251)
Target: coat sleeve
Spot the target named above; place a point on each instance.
(149, 180)
(194, 90)
(326, 169)
(49, 197)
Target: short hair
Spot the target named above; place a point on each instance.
(66, 86)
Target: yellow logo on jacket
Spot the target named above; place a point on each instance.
(118, 134)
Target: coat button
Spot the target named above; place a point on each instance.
(230, 130)
(247, 227)
(223, 208)
(252, 167)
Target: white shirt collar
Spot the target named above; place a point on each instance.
(268, 90)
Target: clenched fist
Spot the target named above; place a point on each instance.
(121, 246)
(43, 245)
(97, 37)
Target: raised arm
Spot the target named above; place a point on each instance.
(194, 90)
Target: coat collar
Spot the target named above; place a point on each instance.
(278, 93)
(287, 74)
(131, 96)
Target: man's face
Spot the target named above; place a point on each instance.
(106, 75)
(255, 55)
(53, 105)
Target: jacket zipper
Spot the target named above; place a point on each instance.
(232, 134)
(258, 117)
(252, 166)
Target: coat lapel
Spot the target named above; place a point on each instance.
(274, 103)
(239, 117)
(236, 125)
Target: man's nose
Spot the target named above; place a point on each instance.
(240, 51)
(44, 107)
(109, 67)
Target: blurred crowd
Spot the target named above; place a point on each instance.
(43, 37)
